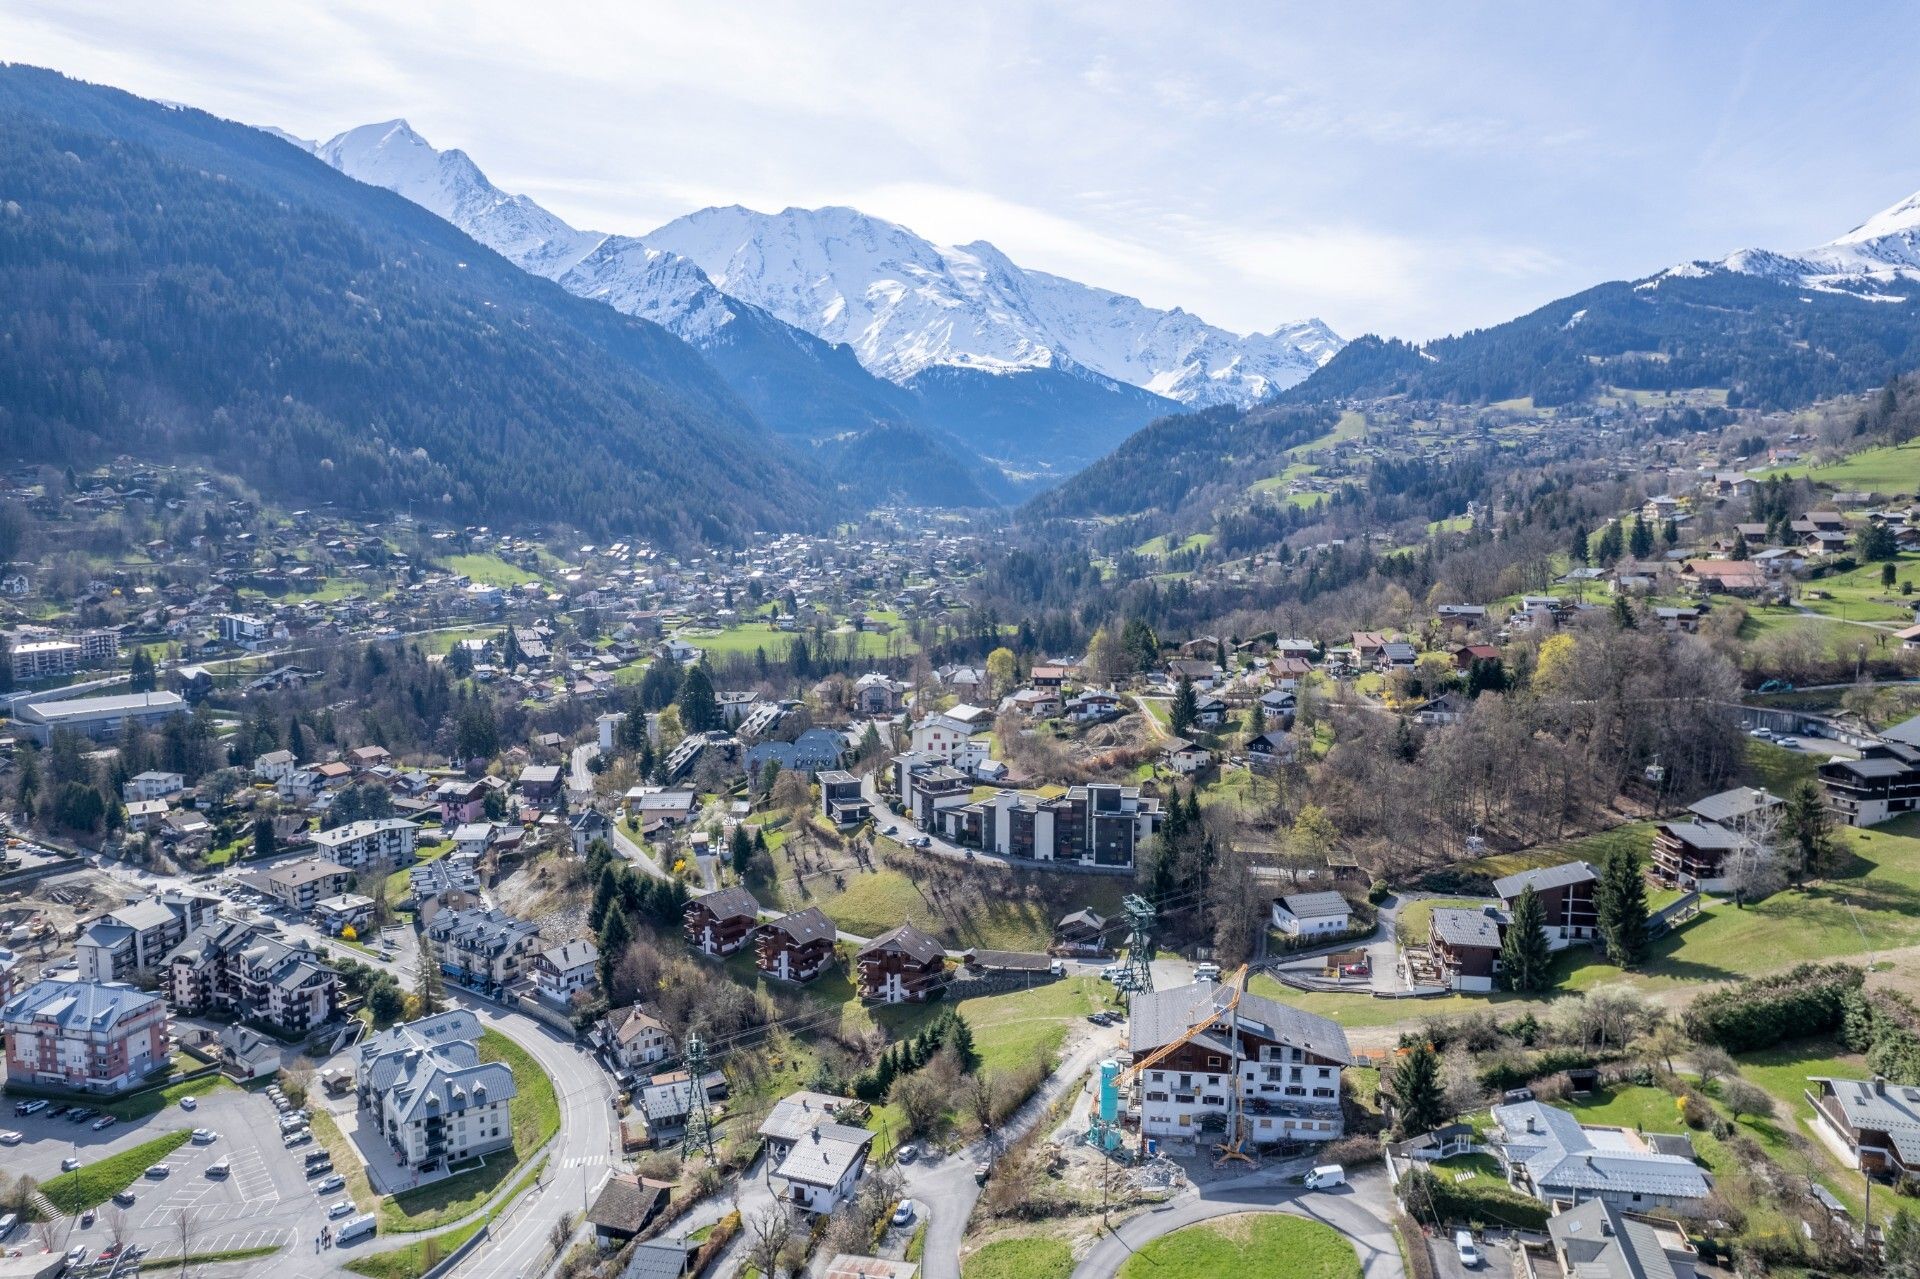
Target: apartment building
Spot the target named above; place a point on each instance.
(482, 945)
(234, 969)
(1098, 824)
(422, 1086)
(84, 1035)
(1287, 1062)
(135, 939)
(358, 845)
(304, 883)
(561, 972)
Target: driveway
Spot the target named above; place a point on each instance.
(1356, 1211)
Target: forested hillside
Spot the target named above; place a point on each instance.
(181, 286)
(1771, 345)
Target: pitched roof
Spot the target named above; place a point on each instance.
(1601, 1242)
(1882, 1107)
(1562, 1157)
(1734, 805)
(799, 1113)
(730, 903)
(1315, 905)
(825, 1154)
(908, 940)
(803, 926)
(1159, 1017)
(1508, 887)
(1457, 927)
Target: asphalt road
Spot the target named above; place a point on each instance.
(1356, 1211)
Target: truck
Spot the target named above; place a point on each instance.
(1326, 1176)
(356, 1228)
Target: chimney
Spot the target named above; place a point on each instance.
(1879, 1085)
(814, 1133)
(1532, 1124)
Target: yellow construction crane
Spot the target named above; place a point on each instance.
(1233, 1146)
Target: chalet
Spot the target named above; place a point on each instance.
(1466, 655)
(1692, 855)
(1270, 750)
(1284, 1063)
(796, 947)
(625, 1205)
(1369, 645)
(795, 1116)
(1465, 946)
(1397, 655)
(1566, 895)
(1183, 757)
(461, 801)
(903, 966)
(1287, 672)
(1461, 614)
(1092, 704)
(1324, 914)
(561, 973)
(482, 946)
(1448, 708)
(1678, 618)
(820, 1172)
(539, 783)
(635, 1038)
(1202, 674)
(955, 737)
(647, 804)
(1727, 577)
(1082, 932)
(1743, 810)
(1209, 711)
(586, 826)
(875, 694)
(1049, 676)
(719, 923)
(1876, 1122)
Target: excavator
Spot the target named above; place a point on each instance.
(1233, 1145)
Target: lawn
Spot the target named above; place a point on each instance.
(1835, 638)
(420, 1256)
(1226, 1246)
(1036, 1258)
(1892, 469)
(535, 1115)
(1776, 768)
(1783, 1071)
(1351, 426)
(1159, 548)
(1018, 913)
(1589, 848)
(327, 1135)
(1472, 1169)
(1858, 596)
(490, 570)
(744, 639)
(143, 1104)
(95, 1183)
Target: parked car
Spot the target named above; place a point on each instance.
(8, 1137)
(188, 1103)
(81, 1115)
(982, 1171)
(59, 1110)
(906, 1154)
(1760, 733)
(156, 1171)
(299, 1138)
(1791, 743)
(124, 1199)
(69, 1164)
(104, 1122)
(1463, 1246)
(331, 1184)
(340, 1209)
(904, 1213)
(202, 1136)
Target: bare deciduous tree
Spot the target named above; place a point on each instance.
(770, 1232)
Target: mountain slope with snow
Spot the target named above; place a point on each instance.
(906, 305)
(1879, 259)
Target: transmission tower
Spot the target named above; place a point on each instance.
(699, 1134)
(1137, 976)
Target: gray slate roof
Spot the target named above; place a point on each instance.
(1159, 1017)
(730, 903)
(1315, 905)
(1563, 1161)
(1600, 1242)
(1508, 887)
(823, 1157)
(1890, 1108)
(1457, 927)
(805, 926)
(1733, 805)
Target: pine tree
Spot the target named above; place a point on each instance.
(615, 936)
(699, 708)
(264, 839)
(1623, 614)
(429, 986)
(140, 672)
(1640, 541)
(1419, 1098)
(1256, 720)
(1526, 960)
(604, 894)
(1620, 901)
(1670, 533)
(960, 1035)
(1186, 708)
(1810, 827)
(1612, 543)
(1579, 550)
(741, 847)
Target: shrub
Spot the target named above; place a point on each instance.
(1749, 1015)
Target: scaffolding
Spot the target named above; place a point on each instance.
(1136, 975)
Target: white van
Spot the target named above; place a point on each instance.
(355, 1227)
(1326, 1176)
(7, 1223)
(1463, 1245)
(220, 1167)
(1206, 972)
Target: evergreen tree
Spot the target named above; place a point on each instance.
(1740, 551)
(1888, 576)
(1810, 827)
(742, 849)
(1256, 720)
(1670, 533)
(1900, 1247)
(1620, 901)
(1185, 708)
(141, 676)
(1623, 614)
(1579, 550)
(264, 839)
(1640, 541)
(616, 934)
(1612, 543)
(605, 893)
(429, 986)
(1526, 960)
(1419, 1098)
(510, 655)
(960, 1035)
(699, 708)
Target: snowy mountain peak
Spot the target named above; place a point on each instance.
(1879, 259)
(905, 304)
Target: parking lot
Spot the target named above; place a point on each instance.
(266, 1200)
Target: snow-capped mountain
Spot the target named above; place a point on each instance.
(1880, 258)
(906, 305)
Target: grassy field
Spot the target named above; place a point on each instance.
(535, 1113)
(1834, 637)
(1776, 768)
(1591, 848)
(1017, 914)
(1858, 595)
(1464, 1169)
(149, 1103)
(1893, 469)
(1035, 1258)
(744, 639)
(1783, 1071)
(1226, 1246)
(420, 1256)
(490, 570)
(95, 1183)
(1351, 426)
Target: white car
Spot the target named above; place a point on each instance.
(331, 1184)
(904, 1213)
(1789, 742)
(69, 1164)
(340, 1209)
(204, 1136)
(1463, 1246)
(9, 1137)
(157, 1171)
(188, 1103)
(1761, 733)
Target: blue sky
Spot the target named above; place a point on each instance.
(1413, 170)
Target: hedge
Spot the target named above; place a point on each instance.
(1443, 1201)
(1800, 1003)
